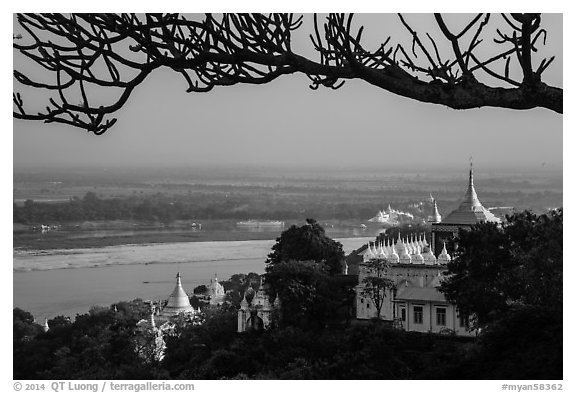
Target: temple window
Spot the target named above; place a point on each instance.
(441, 316)
(418, 314)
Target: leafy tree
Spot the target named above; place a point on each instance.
(256, 49)
(23, 325)
(376, 284)
(499, 269)
(297, 283)
(307, 243)
(59, 321)
(200, 290)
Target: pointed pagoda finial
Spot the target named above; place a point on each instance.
(244, 302)
(471, 180)
(444, 257)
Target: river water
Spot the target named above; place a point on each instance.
(67, 282)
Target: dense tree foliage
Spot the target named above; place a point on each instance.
(509, 278)
(23, 326)
(97, 345)
(499, 269)
(307, 243)
(302, 270)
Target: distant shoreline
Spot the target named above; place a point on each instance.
(61, 241)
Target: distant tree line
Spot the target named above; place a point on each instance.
(160, 207)
(156, 207)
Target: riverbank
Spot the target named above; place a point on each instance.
(61, 240)
(98, 234)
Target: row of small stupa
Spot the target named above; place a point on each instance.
(414, 250)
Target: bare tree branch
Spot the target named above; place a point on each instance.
(117, 52)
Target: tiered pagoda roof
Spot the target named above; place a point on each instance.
(470, 211)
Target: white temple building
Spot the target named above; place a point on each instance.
(390, 216)
(416, 267)
(216, 292)
(256, 310)
(415, 304)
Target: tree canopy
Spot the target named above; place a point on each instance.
(115, 53)
(307, 243)
(498, 270)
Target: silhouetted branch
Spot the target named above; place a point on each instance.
(116, 52)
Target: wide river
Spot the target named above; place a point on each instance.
(67, 282)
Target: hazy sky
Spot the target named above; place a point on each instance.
(286, 123)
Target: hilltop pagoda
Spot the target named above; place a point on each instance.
(178, 301)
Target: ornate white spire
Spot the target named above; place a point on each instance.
(381, 249)
(370, 252)
(404, 253)
(393, 257)
(244, 302)
(444, 257)
(471, 198)
(429, 258)
(417, 257)
(387, 247)
(436, 217)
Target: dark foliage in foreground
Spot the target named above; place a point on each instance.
(499, 270)
(98, 346)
